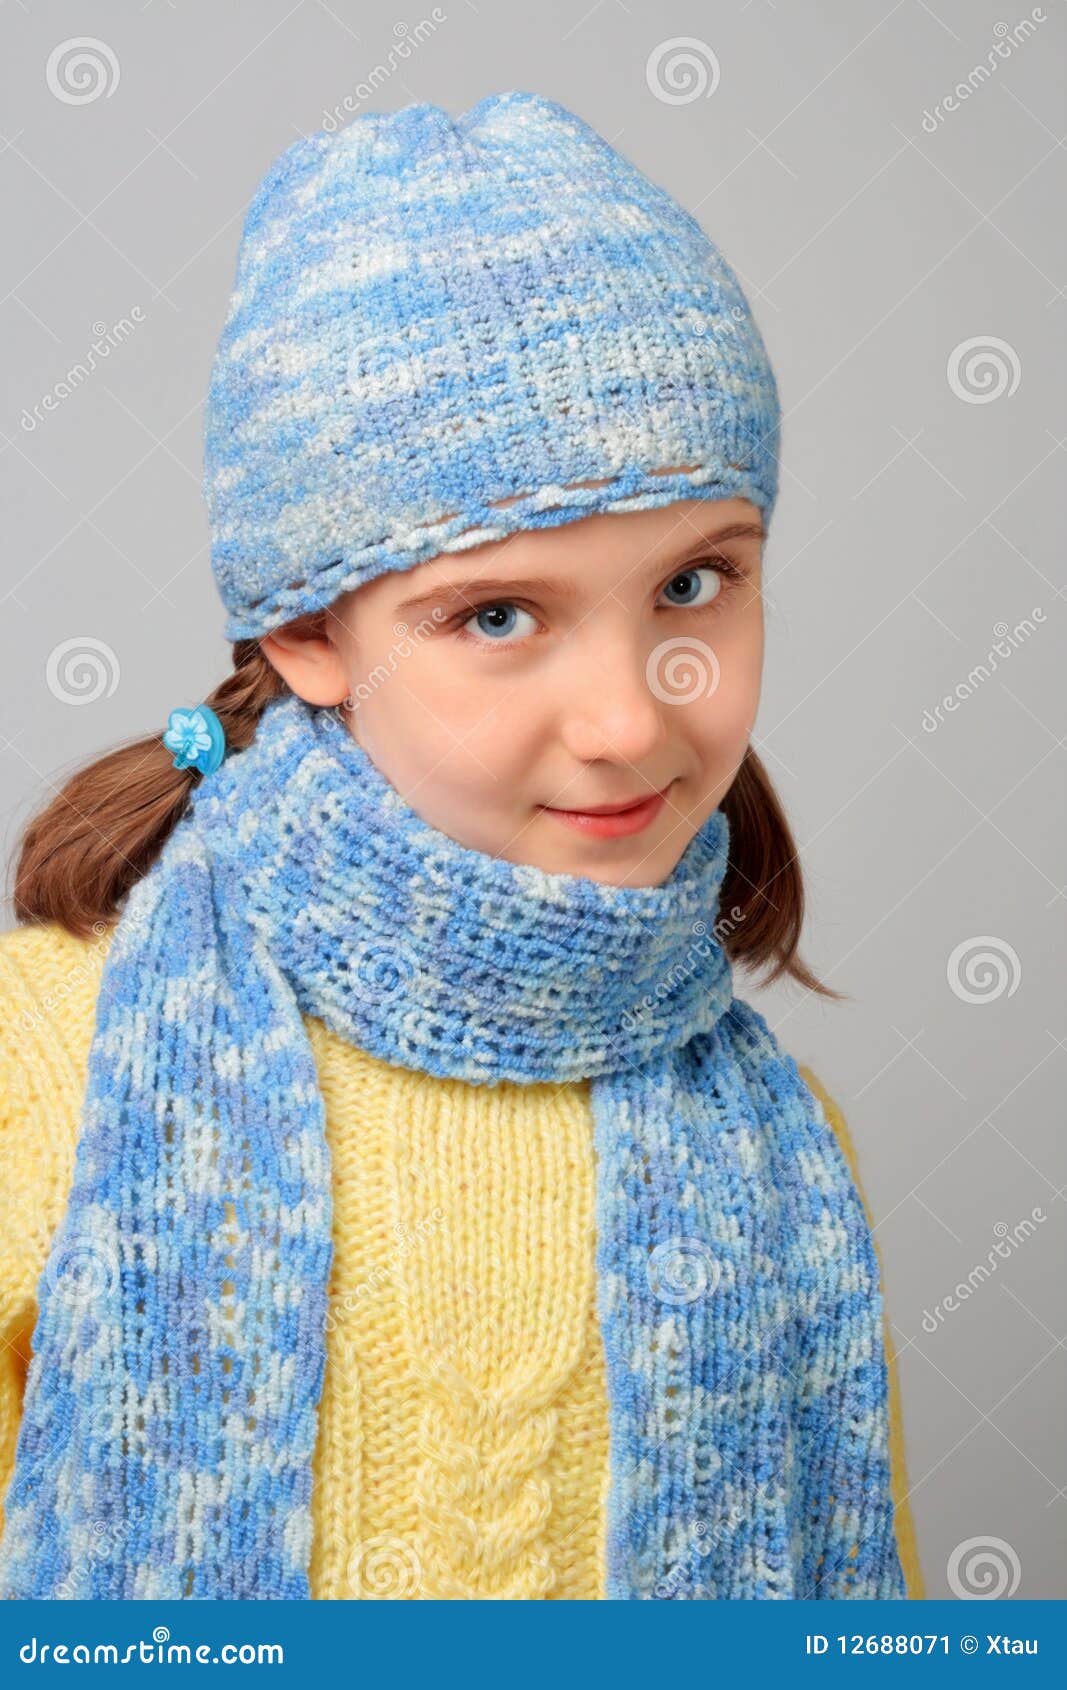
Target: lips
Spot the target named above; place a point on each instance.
(609, 809)
(614, 821)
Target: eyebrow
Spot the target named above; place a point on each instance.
(563, 587)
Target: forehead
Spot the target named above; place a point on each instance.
(623, 536)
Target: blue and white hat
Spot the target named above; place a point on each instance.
(432, 315)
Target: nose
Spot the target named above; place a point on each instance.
(609, 710)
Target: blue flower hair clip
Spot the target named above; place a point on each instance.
(197, 738)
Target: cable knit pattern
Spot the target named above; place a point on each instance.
(392, 1194)
(432, 315)
(464, 1447)
(170, 1413)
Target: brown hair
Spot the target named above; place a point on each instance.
(105, 828)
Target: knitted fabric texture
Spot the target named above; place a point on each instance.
(432, 315)
(463, 1266)
(171, 1401)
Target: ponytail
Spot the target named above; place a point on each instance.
(761, 902)
(105, 828)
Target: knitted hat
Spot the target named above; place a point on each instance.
(432, 315)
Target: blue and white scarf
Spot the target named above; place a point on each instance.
(171, 1404)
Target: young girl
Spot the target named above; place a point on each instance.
(401, 1203)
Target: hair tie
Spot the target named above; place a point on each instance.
(197, 738)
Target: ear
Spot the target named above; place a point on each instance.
(307, 660)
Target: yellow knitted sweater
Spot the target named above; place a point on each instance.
(463, 1429)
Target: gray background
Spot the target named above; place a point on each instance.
(918, 516)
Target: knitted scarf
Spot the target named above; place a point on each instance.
(171, 1404)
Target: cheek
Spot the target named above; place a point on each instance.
(488, 697)
(728, 716)
(742, 651)
(464, 728)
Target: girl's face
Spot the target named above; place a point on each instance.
(502, 689)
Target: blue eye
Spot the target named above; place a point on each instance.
(496, 622)
(692, 589)
(500, 623)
